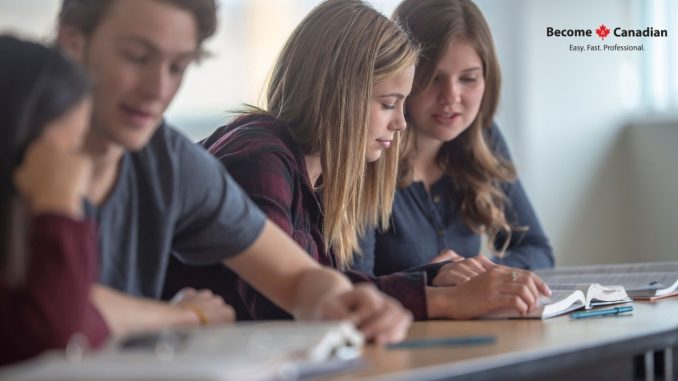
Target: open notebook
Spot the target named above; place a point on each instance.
(245, 351)
(649, 280)
(569, 297)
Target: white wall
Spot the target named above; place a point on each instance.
(565, 113)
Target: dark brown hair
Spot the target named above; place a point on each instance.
(87, 14)
(38, 85)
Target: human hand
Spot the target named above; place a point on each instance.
(205, 307)
(52, 178)
(497, 288)
(378, 316)
(447, 255)
(462, 270)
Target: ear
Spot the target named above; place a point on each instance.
(72, 42)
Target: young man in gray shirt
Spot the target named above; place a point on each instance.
(154, 193)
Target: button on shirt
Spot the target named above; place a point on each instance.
(423, 225)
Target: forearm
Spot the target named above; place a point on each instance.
(125, 314)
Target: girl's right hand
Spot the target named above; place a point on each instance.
(497, 288)
(378, 316)
(52, 179)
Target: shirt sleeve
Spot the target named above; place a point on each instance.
(364, 262)
(217, 220)
(529, 249)
(408, 287)
(53, 301)
(267, 179)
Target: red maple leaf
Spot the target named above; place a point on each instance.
(602, 31)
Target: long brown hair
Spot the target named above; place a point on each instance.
(477, 172)
(321, 86)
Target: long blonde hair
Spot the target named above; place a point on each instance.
(321, 86)
(477, 172)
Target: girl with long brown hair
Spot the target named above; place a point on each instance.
(456, 179)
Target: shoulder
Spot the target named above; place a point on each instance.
(250, 137)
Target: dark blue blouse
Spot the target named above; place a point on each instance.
(422, 226)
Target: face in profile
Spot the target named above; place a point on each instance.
(387, 111)
(136, 58)
(452, 101)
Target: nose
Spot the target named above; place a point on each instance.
(449, 93)
(157, 82)
(399, 122)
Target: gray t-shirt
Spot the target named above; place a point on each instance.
(172, 197)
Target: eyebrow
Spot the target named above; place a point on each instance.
(395, 95)
(463, 71)
(153, 48)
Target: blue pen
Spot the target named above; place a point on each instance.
(607, 312)
(443, 342)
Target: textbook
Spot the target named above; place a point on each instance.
(280, 350)
(566, 298)
(645, 280)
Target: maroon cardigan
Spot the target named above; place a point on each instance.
(54, 302)
(263, 159)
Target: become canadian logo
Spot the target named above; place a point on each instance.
(603, 32)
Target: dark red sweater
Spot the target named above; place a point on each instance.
(54, 302)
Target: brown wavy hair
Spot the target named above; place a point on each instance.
(477, 172)
(321, 86)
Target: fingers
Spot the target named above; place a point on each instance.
(541, 285)
(483, 262)
(208, 308)
(513, 302)
(378, 316)
(498, 288)
(450, 278)
(362, 302)
(181, 294)
(388, 325)
(459, 272)
(524, 284)
(446, 255)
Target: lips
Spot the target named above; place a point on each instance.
(384, 143)
(446, 118)
(137, 116)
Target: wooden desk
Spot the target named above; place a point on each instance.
(615, 348)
